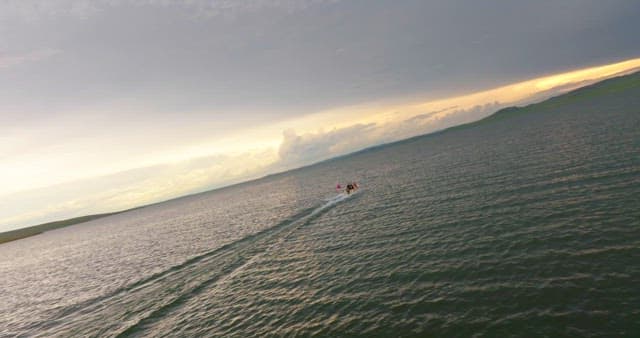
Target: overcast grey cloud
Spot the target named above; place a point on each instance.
(173, 58)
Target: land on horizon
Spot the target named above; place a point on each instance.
(606, 87)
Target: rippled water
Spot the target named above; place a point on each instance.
(528, 226)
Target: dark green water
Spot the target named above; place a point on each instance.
(524, 225)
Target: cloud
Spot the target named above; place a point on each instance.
(7, 61)
(363, 126)
(131, 188)
(305, 148)
(229, 8)
(32, 10)
(300, 149)
(312, 147)
(151, 184)
(160, 182)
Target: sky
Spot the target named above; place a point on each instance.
(107, 105)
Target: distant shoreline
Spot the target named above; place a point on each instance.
(622, 82)
(13, 235)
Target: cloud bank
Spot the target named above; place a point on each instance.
(304, 148)
(131, 188)
(300, 144)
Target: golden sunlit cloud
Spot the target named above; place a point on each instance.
(387, 122)
(508, 95)
(251, 153)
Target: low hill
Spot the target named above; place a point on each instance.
(40, 228)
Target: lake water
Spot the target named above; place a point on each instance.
(527, 226)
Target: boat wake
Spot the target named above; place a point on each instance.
(138, 307)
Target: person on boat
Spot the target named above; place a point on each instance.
(350, 188)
